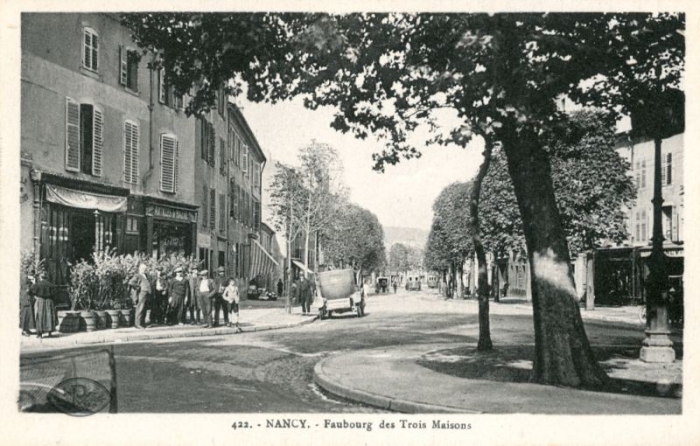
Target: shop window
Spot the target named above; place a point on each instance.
(131, 152)
(84, 124)
(169, 163)
(90, 49)
(129, 68)
(132, 225)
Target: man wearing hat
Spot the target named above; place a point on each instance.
(193, 301)
(206, 290)
(218, 301)
(179, 292)
(142, 291)
(159, 307)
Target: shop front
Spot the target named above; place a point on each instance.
(72, 220)
(171, 228)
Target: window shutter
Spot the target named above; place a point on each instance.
(205, 207)
(222, 212)
(212, 208)
(669, 168)
(161, 86)
(135, 153)
(212, 145)
(97, 124)
(222, 156)
(123, 66)
(176, 175)
(133, 65)
(72, 135)
(168, 147)
(128, 136)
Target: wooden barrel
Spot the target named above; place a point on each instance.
(127, 317)
(113, 318)
(68, 321)
(337, 284)
(88, 320)
(101, 319)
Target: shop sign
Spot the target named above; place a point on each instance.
(170, 213)
(203, 240)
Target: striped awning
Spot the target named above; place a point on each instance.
(261, 262)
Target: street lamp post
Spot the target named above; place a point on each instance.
(657, 346)
(658, 114)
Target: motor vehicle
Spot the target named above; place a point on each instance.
(337, 293)
(382, 284)
(432, 281)
(413, 283)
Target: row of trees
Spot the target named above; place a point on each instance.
(501, 74)
(591, 188)
(404, 258)
(310, 201)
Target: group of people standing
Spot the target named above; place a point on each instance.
(169, 300)
(37, 308)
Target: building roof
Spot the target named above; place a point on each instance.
(236, 113)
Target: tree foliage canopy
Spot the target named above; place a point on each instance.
(355, 238)
(591, 186)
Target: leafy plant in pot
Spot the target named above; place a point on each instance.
(84, 291)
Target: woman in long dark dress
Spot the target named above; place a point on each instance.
(26, 317)
(43, 292)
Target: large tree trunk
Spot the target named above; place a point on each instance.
(563, 355)
(484, 343)
(460, 283)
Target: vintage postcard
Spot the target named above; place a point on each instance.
(352, 223)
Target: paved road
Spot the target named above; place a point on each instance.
(272, 371)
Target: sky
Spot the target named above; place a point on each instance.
(401, 196)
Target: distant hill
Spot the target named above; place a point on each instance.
(408, 236)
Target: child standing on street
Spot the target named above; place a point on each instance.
(232, 297)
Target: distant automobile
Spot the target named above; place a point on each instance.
(432, 281)
(382, 285)
(413, 284)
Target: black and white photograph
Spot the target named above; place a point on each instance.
(284, 223)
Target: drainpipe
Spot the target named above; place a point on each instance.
(151, 166)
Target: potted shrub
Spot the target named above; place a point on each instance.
(84, 289)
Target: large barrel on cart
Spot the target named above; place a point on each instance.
(338, 293)
(337, 284)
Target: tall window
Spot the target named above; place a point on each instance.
(129, 68)
(131, 152)
(666, 169)
(222, 156)
(222, 212)
(205, 206)
(212, 208)
(244, 158)
(84, 124)
(168, 163)
(643, 223)
(643, 174)
(163, 96)
(90, 49)
(208, 143)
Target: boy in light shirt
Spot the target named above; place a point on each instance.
(233, 298)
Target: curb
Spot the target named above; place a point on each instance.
(164, 335)
(379, 401)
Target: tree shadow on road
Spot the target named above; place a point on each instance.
(628, 375)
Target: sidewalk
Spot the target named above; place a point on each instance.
(258, 319)
(393, 379)
(628, 315)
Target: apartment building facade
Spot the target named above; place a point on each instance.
(103, 160)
